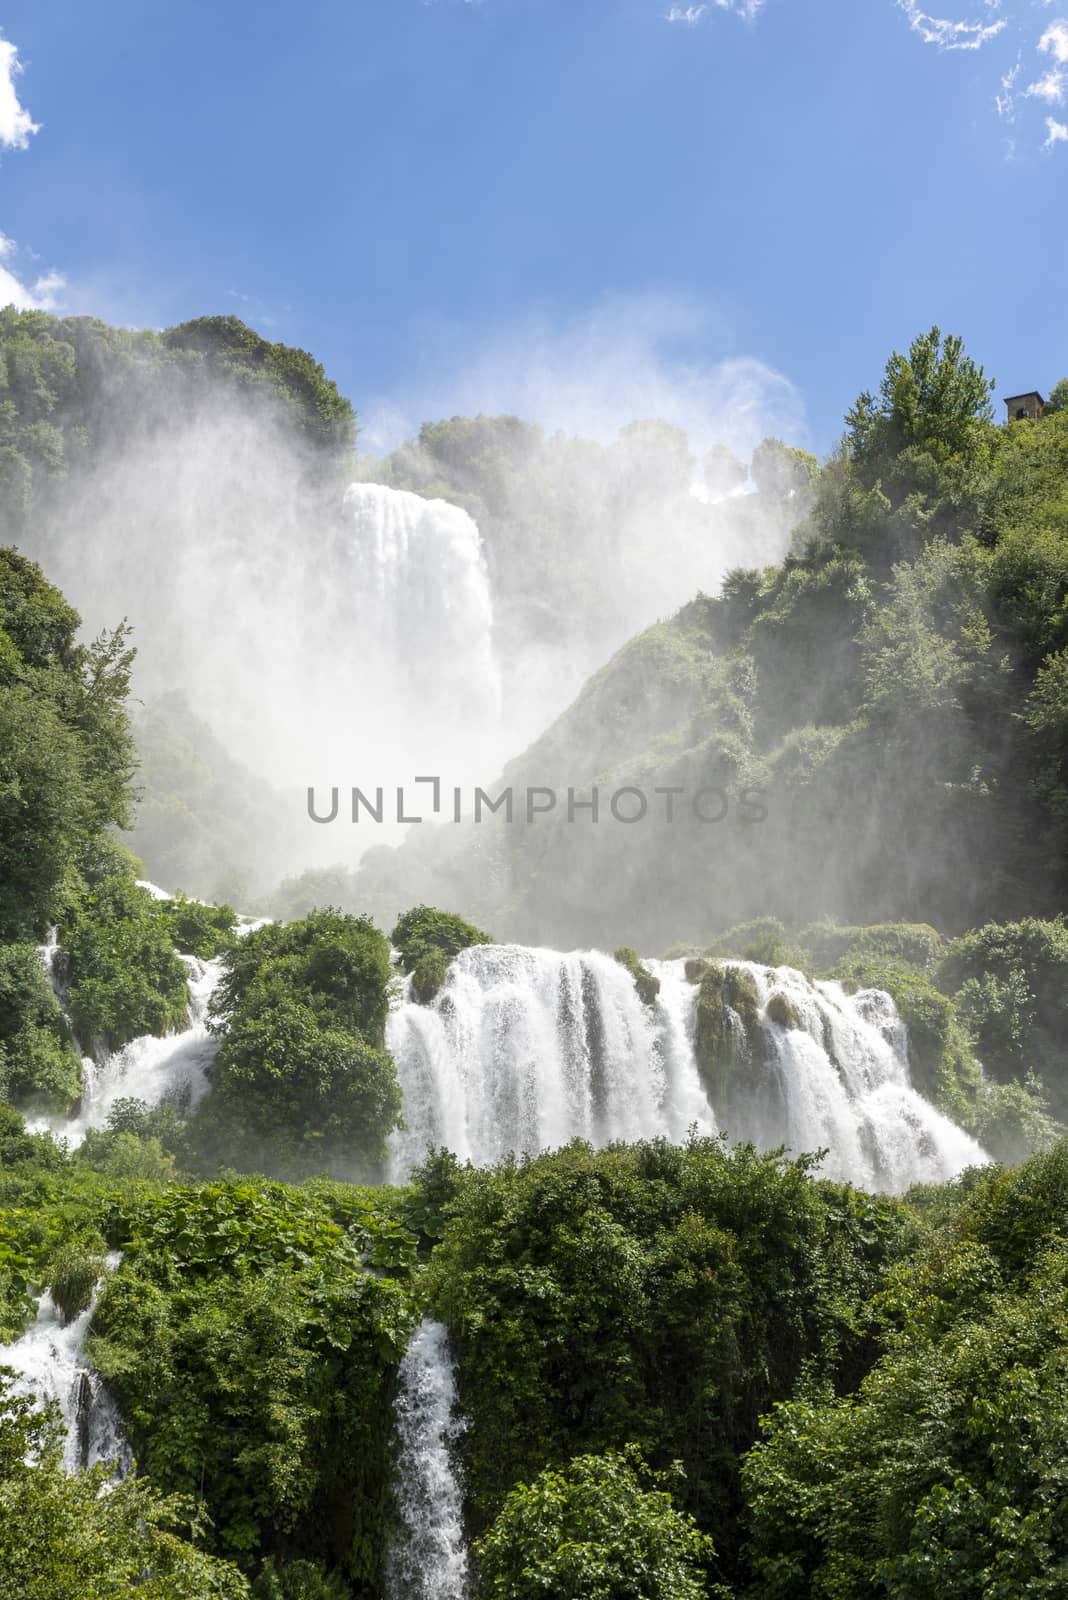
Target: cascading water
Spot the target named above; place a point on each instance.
(419, 573)
(427, 1557)
(50, 1364)
(174, 1067)
(525, 1049)
(839, 1080)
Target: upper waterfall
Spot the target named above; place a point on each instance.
(421, 601)
(525, 1049)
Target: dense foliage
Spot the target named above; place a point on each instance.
(254, 1353)
(649, 1294)
(426, 941)
(304, 1083)
(66, 757)
(595, 1531)
(62, 1536)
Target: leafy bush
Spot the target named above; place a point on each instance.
(1010, 984)
(304, 1083)
(125, 978)
(941, 1479)
(604, 1528)
(648, 1294)
(298, 1580)
(38, 1062)
(75, 1268)
(426, 941)
(65, 747)
(913, 947)
(62, 1536)
(199, 929)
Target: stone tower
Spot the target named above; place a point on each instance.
(1024, 407)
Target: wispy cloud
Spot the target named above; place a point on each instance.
(691, 15)
(949, 35)
(1006, 100)
(1056, 133)
(16, 124)
(1013, 22)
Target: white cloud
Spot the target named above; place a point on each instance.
(41, 295)
(1055, 41)
(949, 35)
(16, 125)
(691, 15)
(1050, 87)
(1056, 133)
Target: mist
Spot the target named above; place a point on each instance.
(430, 609)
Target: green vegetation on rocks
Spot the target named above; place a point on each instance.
(647, 986)
(426, 941)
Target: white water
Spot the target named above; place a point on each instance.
(427, 1559)
(524, 1049)
(841, 1081)
(419, 574)
(174, 1067)
(50, 1365)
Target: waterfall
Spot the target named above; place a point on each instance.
(524, 1049)
(174, 1067)
(427, 1557)
(840, 1080)
(49, 1364)
(419, 573)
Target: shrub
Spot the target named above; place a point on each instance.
(125, 978)
(75, 1269)
(782, 1010)
(603, 1528)
(304, 1083)
(38, 1062)
(427, 940)
(201, 930)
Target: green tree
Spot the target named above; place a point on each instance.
(426, 941)
(603, 1528)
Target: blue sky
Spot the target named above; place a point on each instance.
(575, 208)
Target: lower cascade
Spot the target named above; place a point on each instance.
(524, 1049)
(50, 1364)
(427, 1557)
(175, 1067)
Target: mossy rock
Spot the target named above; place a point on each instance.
(718, 1042)
(782, 1010)
(697, 967)
(740, 993)
(647, 986)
